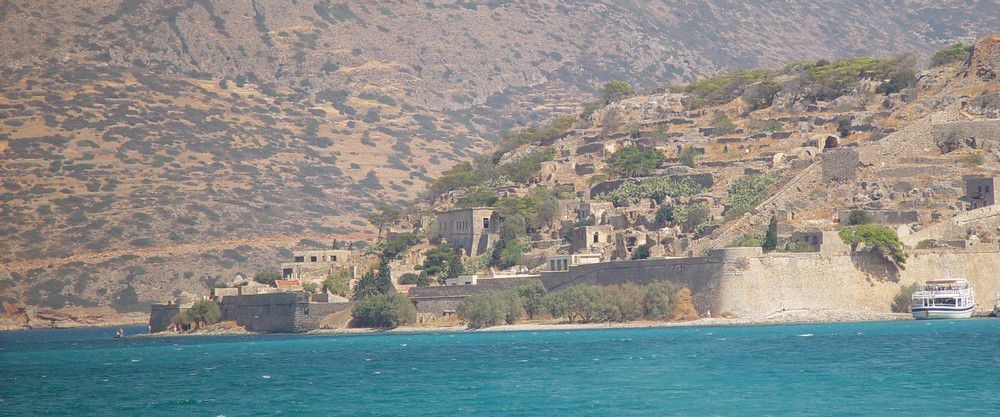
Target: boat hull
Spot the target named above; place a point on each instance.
(932, 313)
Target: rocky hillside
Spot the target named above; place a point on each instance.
(457, 54)
(708, 164)
(152, 146)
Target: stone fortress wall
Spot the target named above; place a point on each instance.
(752, 284)
(286, 312)
(742, 281)
(762, 285)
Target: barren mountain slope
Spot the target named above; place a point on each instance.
(153, 146)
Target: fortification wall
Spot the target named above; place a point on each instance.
(750, 284)
(699, 274)
(760, 286)
(289, 312)
(161, 315)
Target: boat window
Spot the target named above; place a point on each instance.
(948, 302)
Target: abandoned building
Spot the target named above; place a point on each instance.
(316, 265)
(980, 191)
(591, 239)
(819, 241)
(564, 262)
(469, 229)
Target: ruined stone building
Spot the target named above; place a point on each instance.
(980, 191)
(591, 239)
(820, 241)
(469, 229)
(316, 265)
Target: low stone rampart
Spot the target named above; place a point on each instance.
(288, 312)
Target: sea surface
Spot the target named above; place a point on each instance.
(911, 368)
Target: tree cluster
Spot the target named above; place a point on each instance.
(621, 303)
(203, 312)
(657, 188)
(633, 161)
(383, 311)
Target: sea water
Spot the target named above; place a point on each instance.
(912, 368)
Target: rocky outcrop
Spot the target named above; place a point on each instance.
(24, 318)
(984, 62)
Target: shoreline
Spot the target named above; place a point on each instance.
(109, 324)
(783, 318)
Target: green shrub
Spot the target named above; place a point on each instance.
(724, 88)
(532, 295)
(902, 301)
(461, 175)
(883, 240)
(524, 169)
(641, 251)
(372, 284)
(858, 217)
(800, 247)
(267, 276)
(656, 188)
(203, 312)
(621, 303)
(478, 198)
(665, 215)
(632, 161)
(310, 287)
(688, 156)
(951, 53)
(903, 78)
(749, 191)
(761, 95)
(539, 208)
(691, 216)
(438, 260)
(927, 244)
(974, 159)
(656, 302)
(747, 240)
(410, 278)
(723, 125)
(398, 244)
(770, 242)
(490, 308)
(383, 311)
(338, 283)
(508, 252)
(615, 91)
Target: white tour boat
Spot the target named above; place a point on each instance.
(950, 298)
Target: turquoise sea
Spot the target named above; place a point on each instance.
(940, 368)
